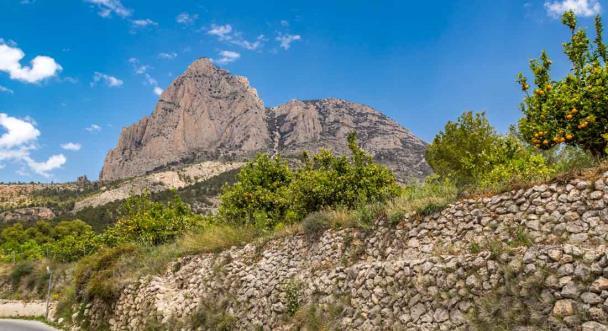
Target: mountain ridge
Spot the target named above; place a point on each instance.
(209, 114)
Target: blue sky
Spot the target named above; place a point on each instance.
(98, 64)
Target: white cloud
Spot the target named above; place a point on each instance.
(43, 168)
(250, 45)
(227, 34)
(580, 7)
(71, 146)
(42, 67)
(142, 69)
(19, 132)
(110, 81)
(19, 139)
(220, 31)
(109, 7)
(143, 23)
(5, 90)
(167, 56)
(227, 57)
(93, 128)
(285, 40)
(186, 18)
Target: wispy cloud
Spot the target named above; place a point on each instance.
(108, 80)
(226, 57)
(5, 90)
(71, 146)
(584, 8)
(93, 128)
(42, 67)
(226, 33)
(19, 140)
(143, 23)
(167, 56)
(186, 18)
(107, 8)
(285, 40)
(221, 31)
(142, 70)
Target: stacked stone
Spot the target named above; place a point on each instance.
(422, 274)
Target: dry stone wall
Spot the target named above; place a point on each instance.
(529, 259)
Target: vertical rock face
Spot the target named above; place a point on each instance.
(208, 114)
(310, 125)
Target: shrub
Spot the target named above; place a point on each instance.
(268, 193)
(65, 241)
(472, 155)
(315, 224)
(260, 196)
(433, 194)
(464, 149)
(96, 276)
(148, 222)
(19, 271)
(573, 110)
(526, 168)
(293, 294)
(328, 181)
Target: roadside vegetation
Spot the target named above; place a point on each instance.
(563, 131)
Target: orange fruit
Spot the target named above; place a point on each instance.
(569, 117)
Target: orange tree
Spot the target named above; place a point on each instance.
(573, 110)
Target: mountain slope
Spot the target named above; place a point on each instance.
(311, 125)
(207, 114)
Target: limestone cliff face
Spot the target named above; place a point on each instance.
(208, 114)
(205, 113)
(310, 125)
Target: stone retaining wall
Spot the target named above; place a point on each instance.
(533, 258)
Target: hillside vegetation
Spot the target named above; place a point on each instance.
(269, 198)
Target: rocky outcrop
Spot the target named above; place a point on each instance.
(206, 114)
(311, 125)
(530, 259)
(156, 182)
(209, 114)
(29, 214)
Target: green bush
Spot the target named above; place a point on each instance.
(471, 154)
(261, 194)
(465, 149)
(64, 241)
(147, 222)
(328, 181)
(268, 193)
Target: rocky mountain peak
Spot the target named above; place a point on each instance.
(208, 114)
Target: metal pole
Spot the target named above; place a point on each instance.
(48, 293)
